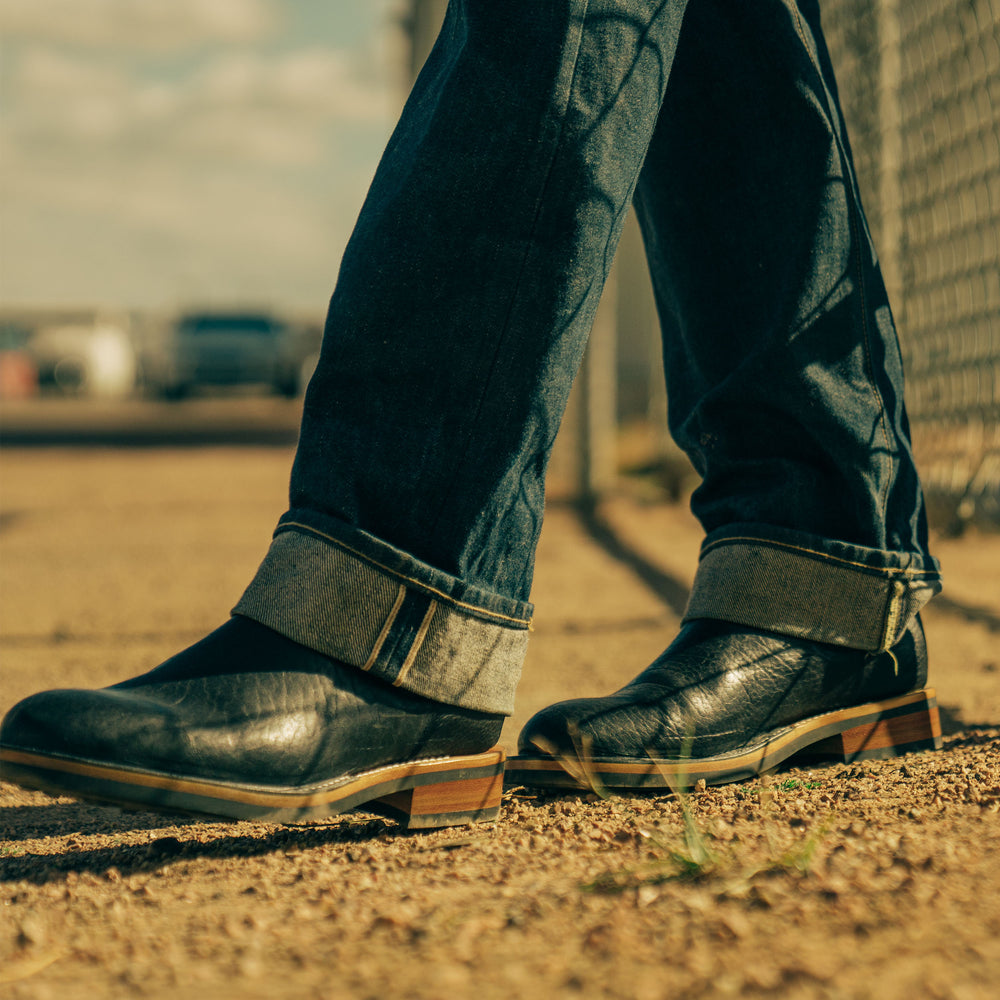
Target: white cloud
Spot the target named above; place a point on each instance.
(63, 98)
(151, 25)
(52, 72)
(133, 172)
(172, 232)
(235, 103)
(317, 79)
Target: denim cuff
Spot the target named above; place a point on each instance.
(353, 597)
(797, 584)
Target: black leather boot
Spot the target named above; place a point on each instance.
(725, 702)
(249, 725)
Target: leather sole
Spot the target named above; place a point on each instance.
(421, 794)
(876, 730)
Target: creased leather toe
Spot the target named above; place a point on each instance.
(725, 702)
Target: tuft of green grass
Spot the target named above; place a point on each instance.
(693, 861)
(696, 858)
(801, 858)
(578, 766)
(792, 784)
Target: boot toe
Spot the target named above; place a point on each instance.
(85, 725)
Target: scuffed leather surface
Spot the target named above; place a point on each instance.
(247, 705)
(717, 687)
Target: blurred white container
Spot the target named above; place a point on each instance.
(89, 360)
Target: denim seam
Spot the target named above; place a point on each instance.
(875, 570)
(386, 629)
(505, 330)
(852, 212)
(401, 576)
(627, 204)
(418, 641)
(859, 266)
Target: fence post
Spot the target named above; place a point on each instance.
(597, 438)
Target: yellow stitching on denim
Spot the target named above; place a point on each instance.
(377, 648)
(879, 401)
(767, 543)
(402, 576)
(417, 643)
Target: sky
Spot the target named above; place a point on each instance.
(156, 153)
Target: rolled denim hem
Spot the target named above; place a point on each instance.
(813, 588)
(356, 599)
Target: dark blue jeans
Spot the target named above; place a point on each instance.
(464, 301)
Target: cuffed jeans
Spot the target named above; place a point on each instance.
(464, 301)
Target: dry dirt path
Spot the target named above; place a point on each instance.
(876, 880)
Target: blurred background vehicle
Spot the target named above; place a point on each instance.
(91, 359)
(201, 350)
(18, 374)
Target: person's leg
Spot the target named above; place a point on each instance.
(388, 621)
(460, 315)
(784, 374)
(785, 388)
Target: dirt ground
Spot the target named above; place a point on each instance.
(871, 880)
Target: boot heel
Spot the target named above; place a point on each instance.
(470, 794)
(897, 726)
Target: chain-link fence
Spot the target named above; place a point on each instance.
(920, 86)
(919, 83)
